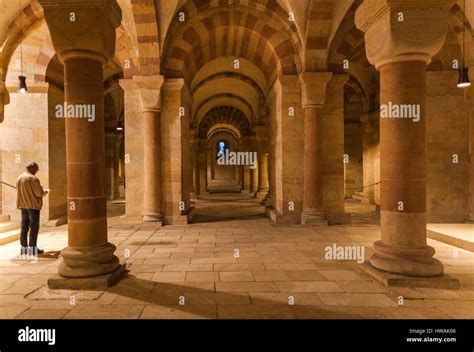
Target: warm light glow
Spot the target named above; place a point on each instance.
(464, 85)
(464, 80)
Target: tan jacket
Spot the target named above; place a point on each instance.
(29, 192)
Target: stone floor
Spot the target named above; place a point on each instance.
(231, 263)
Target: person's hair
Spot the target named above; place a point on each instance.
(32, 166)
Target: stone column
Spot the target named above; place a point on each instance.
(109, 165)
(470, 219)
(118, 144)
(89, 260)
(371, 147)
(175, 152)
(254, 172)
(3, 102)
(245, 146)
(401, 52)
(262, 156)
(150, 97)
(195, 151)
(332, 169)
(201, 171)
(192, 161)
(313, 96)
(287, 148)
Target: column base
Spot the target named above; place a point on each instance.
(261, 195)
(177, 220)
(339, 218)
(282, 219)
(444, 282)
(93, 283)
(88, 261)
(153, 217)
(313, 219)
(367, 199)
(267, 201)
(470, 219)
(183, 218)
(406, 261)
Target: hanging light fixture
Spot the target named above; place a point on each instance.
(22, 88)
(464, 81)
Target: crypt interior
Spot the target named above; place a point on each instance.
(146, 221)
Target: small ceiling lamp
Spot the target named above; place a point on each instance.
(464, 81)
(22, 88)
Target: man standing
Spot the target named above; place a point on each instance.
(30, 195)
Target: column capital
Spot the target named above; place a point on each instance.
(173, 84)
(150, 91)
(313, 88)
(127, 84)
(202, 145)
(245, 143)
(403, 30)
(253, 141)
(261, 133)
(83, 29)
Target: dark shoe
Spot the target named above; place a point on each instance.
(24, 251)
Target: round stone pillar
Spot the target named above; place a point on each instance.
(401, 52)
(262, 168)
(88, 261)
(152, 206)
(470, 218)
(254, 171)
(88, 252)
(201, 169)
(110, 165)
(403, 246)
(313, 89)
(118, 144)
(150, 98)
(260, 142)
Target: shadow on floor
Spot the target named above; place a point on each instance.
(50, 255)
(202, 302)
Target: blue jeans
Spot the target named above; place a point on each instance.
(30, 219)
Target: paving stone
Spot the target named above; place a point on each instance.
(236, 276)
(202, 276)
(308, 286)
